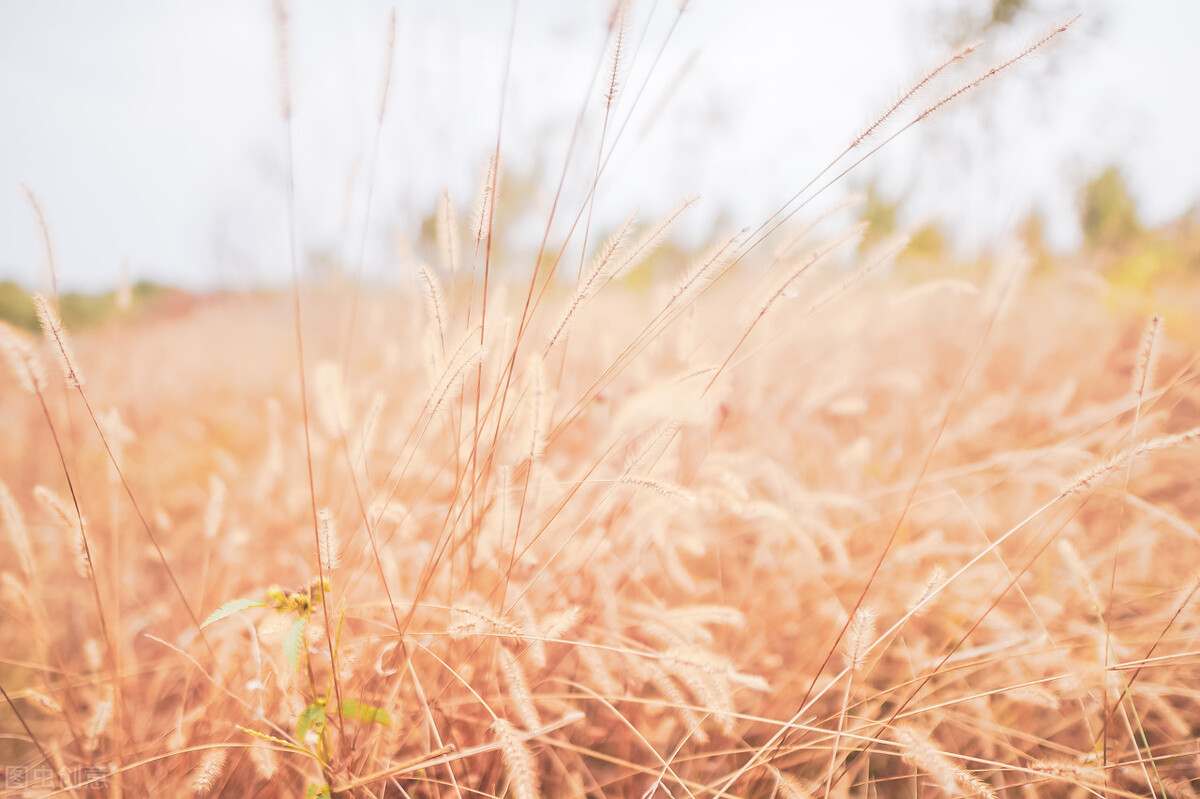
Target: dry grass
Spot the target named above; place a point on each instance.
(767, 526)
(652, 593)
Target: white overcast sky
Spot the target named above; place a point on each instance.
(150, 130)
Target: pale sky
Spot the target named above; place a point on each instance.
(150, 130)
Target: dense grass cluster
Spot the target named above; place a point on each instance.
(782, 523)
(923, 537)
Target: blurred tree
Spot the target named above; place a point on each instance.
(666, 259)
(1004, 11)
(928, 242)
(925, 256)
(16, 306)
(1031, 232)
(83, 310)
(516, 222)
(77, 309)
(427, 236)
(880, 216)
(1107, 212)
(1158, 259)
(964, 21)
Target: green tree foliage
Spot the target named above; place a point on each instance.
(1031, 232)
(926, 242)
(1107, 212)
(880, 216)
(16, 306)
(1159, 259)
(77, 309)
(1004, 11)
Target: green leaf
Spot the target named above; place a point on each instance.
(312, 718)
(293, 643)
(365, 713)
(231, 607)
(317, 791)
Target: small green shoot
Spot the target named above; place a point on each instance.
(300, 601)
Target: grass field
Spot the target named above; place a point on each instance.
(922, 539)
(775, 520)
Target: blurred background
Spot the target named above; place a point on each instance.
(151, 136)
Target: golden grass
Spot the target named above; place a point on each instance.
(612, 583)
(769, 526)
